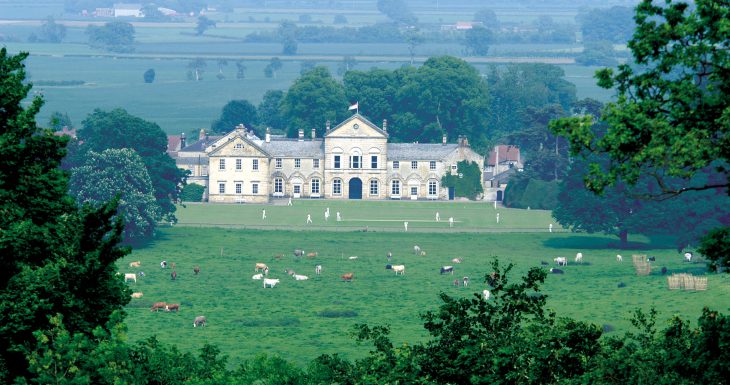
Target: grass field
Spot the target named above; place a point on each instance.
(301, 319)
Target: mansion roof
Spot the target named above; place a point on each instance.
(419, 151)
(293, 148)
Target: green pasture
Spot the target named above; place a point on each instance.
(300, 320)
(362, 215)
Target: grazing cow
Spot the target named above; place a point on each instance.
(318, 269)
(457, 260)
(416, 250)
(389, 256)
(299, 277)
(619, 258)
(354, 257)
(561, 261)
(423, 253)
(456, 282)
(447, 269)
(298, 253)
(289, 271)
(157, 306)
(173, 265)
(196, 270)
(266, 271)
(260, 267)
(138, 294)
(172, 306)
(141, 273)
(399, 269)
(311, 255)
(173, 275)
(199, 321)
(163, 264)
(388, 267)
(486, 294)
(257, 276)
(279, 256)
(556, 271)
(651, 259)
(347, 277)
(664, 270)
(688, 256)
(492, 279)
(132, 276)
(579, 258)
(135, 264)
(620, 285)
(270, 282)
(465, 280)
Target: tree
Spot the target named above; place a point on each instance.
(287, 35)
(269, 110)
(55, 258)
(376, 91)
(119, 171)
(468, 181)
(313, 99)
(149, 76)
(192, 193)
(58, 121)
(398, 11)
(477, 40)
(203, 24)
(240, 70)
(670, 120)
(614, 24)
(597, 53)
(196, 68)
(118, 129)
(234, 113)
(221, 63)
(51, 31)
(488, 18)
(115, 36)
(413, 38)
(273, 66)
(340, 19)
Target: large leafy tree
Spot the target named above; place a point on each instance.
(269, 110)
(671, 119)
(54, 259)
(375, 90)
(613, 24)
(116, 36)
(234, 113)
(118, 129)
(119, 171)
(313, 99)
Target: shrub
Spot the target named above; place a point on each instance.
(192, 193)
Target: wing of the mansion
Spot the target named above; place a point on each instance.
(353, 161)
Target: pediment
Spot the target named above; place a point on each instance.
(236, 144)
(356, 126)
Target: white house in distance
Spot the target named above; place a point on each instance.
(353, 161)
(127, 10)
(503, 161)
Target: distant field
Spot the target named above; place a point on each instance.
(300, 320)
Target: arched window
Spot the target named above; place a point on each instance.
(355, 158)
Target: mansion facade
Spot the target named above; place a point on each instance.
(352, 161)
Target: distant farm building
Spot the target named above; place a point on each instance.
(503, 161)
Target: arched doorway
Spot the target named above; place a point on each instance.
(499, 195)
(355, 188)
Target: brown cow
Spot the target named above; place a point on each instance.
(157, 306)
(199, 320)
(173, 275)
(348, 277)
(260, 266)
(196, 270)
(138, 294)
(311, 255)
(172, 306)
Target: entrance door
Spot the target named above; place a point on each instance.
(297, 191)
(452, 192)
(499, 195)
(355, 188)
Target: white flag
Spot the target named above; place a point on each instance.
(353, 107)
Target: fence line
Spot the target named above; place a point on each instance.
(351, 228)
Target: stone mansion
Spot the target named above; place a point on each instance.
(352, 161)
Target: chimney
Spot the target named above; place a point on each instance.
(327, 124)
(268, 135)
(182, 141)
(240, 128)
(301, 135)
(443, 140)
(314, 134)
(385, 125)
(201, 136)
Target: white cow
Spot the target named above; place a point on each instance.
(399, 269)
(270, 282)
(561, 261)
(258, 276)
(416, 250)
(619, 258)
(579, 258)
(318, 269)
(354, 257)
(128, 276)
(299, 277)
(486, 294)
(688, 256)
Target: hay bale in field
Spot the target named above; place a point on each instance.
(642, 266)
(674, 282)
(700, 283)
(688, 282)
(639, 258)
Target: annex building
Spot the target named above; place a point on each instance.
(352, 161)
